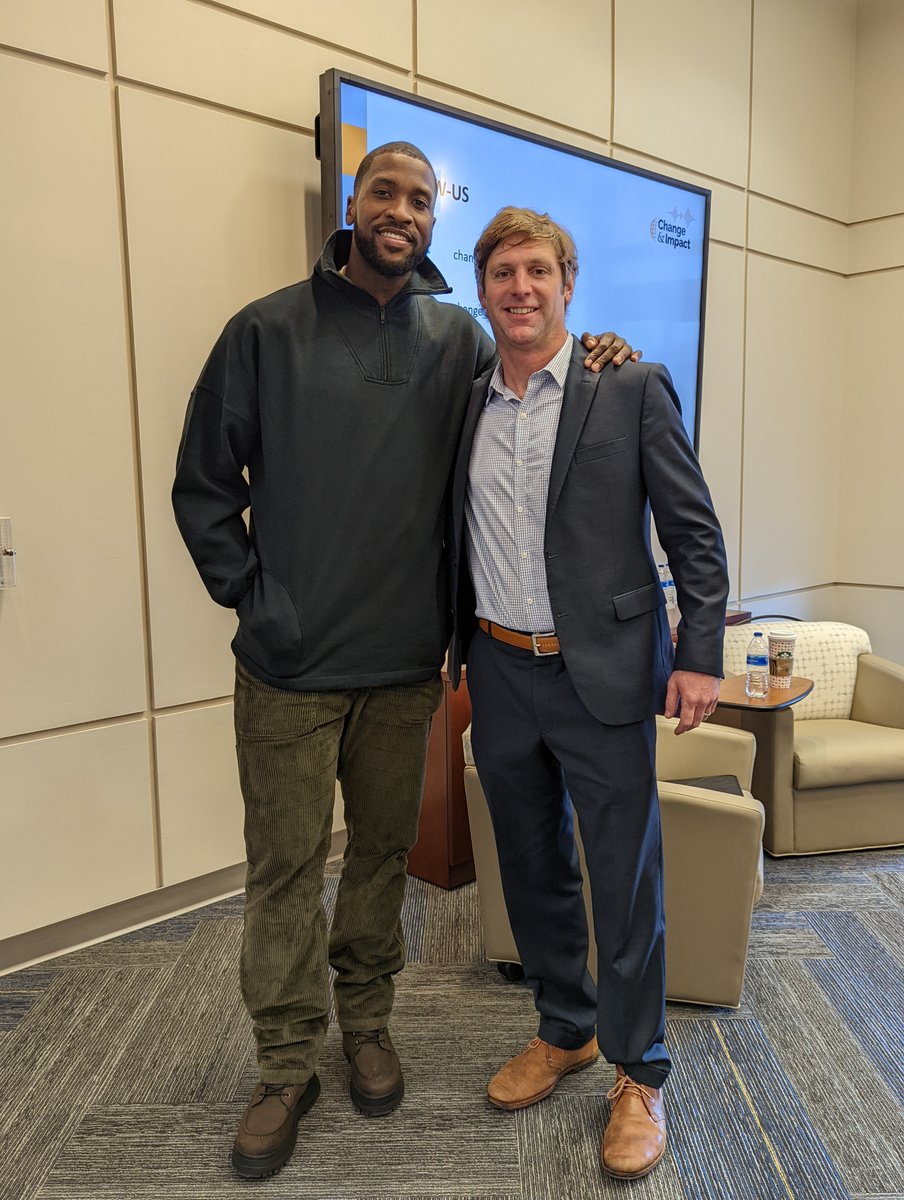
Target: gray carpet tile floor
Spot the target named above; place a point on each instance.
(125, 1066)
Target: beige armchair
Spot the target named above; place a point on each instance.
(712, 847)
(830, 770)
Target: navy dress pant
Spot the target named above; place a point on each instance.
(539, 752)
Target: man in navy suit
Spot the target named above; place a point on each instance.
(560, 613)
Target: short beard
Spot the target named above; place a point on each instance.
(367, 248)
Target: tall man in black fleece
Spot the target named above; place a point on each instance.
(343, 396)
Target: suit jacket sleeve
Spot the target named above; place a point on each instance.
(686, 524)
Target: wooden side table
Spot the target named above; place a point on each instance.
(771, 721)
(733, 695)
(442, 853)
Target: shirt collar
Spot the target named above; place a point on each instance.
(557, 367)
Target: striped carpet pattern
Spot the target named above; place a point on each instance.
(124, 1067)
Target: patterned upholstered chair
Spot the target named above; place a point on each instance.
(712, 847)
(830, 770)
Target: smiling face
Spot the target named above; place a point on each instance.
(392, 214)
(525, 298)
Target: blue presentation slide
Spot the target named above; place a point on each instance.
(640, 240)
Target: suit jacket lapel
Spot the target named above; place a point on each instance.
(580, 389)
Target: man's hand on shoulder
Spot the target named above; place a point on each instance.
(605, 348)
(692, 696)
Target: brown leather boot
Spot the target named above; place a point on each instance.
(376, 1084)
(634, 1140)
(269, 1127)
(533, 1074)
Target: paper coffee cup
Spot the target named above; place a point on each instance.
(781, 658)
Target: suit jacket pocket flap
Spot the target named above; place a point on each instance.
(600, 449)
(641, 600)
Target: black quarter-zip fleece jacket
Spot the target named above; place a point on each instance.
(346, 415)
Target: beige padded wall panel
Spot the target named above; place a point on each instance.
(878, 157)
(681, 83)
(876, 245)
(721, 402)
(72, 30)
(220, 210)
(201, 811)
(870, 544)
(811, 604)
(803, 103)
(77, 831)
(596, 142)
(792, 427)
(384, 33)
(552, 61)
(202, 51)
(783, 232)
(71, 643)
(200, 802)
(878, 611)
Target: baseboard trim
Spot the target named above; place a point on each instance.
(37, 945)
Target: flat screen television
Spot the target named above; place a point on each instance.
(641, 238)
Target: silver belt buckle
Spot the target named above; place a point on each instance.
(538, 653)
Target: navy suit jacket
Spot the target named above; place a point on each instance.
(621, 449)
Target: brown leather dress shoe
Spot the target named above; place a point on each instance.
(269, 1127)
(376, 1084)
(634, 1140)
(533, 1074)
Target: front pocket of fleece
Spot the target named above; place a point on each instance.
(270, 631)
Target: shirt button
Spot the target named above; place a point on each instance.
(520, 508)
(530, 600)
(519, 462)
(522, 416)
(524, 554)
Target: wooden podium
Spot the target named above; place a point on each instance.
(442, 853)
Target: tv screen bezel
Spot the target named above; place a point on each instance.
(327, 127)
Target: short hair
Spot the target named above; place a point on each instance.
(391, 148)
(518, 225)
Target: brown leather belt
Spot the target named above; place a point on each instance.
(541, 644)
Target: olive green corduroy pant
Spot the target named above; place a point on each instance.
(291, 748)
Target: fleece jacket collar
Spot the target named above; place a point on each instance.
(425, 280)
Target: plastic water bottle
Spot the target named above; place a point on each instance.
(668, 586)
(757, 685)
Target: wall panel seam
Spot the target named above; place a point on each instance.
(134, 418)
(809, 212)
(524, 113)
(795, 262)
(297, 34)
(745, 305)
(48, 60)
(170, 710)
(873, 587)
(414, 44)
(612, 70)
(893, 216)
(672, 165)
(155, 89)
(875, 271)
(40, 735)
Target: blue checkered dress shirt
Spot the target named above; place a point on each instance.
(505, 509)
